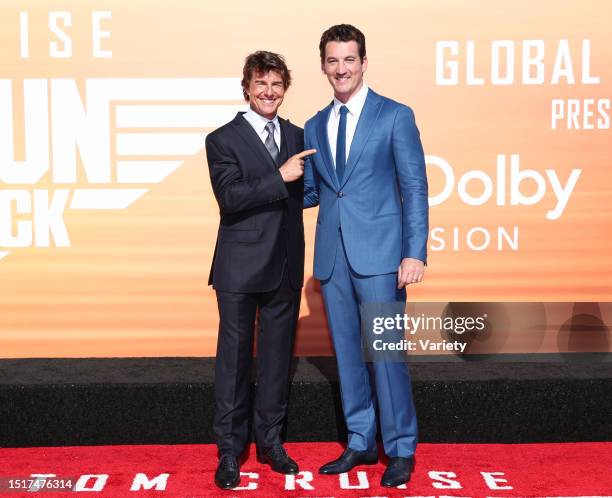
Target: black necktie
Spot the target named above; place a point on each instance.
(341, 144)
(270, 143)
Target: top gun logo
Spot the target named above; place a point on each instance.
(59, 124)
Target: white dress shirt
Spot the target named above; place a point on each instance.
(258, 122)
(354, 106)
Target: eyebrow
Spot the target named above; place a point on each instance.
(329, 59)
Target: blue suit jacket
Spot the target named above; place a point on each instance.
(381, 205)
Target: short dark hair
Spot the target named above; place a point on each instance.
(342, 33)
(263, 62)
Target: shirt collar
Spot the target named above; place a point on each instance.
(355, 103)
(258, 122)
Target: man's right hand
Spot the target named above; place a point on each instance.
(293, 169)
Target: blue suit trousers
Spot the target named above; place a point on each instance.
(343, 292)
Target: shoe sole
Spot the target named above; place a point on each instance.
(370, 462)
(232, 486)
(396, 485)
(265, 462)
(384, 485)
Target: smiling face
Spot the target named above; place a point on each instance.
(344, 68)
(266, 92)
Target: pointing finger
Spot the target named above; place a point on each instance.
(306, 153)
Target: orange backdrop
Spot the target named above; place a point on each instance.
(107, 218)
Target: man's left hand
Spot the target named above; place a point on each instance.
(410, 271)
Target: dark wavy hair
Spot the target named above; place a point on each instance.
(342, 33)
(263, 62)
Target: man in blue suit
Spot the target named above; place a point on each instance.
(368, 179)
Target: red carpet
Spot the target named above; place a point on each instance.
(443, 470)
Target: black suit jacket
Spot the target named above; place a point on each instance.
(261, 223)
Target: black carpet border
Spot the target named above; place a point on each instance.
(94, 401)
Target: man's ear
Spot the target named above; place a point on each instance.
(364, 64)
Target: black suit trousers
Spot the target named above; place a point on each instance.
(277, 314)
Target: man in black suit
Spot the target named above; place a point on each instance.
(256, 165)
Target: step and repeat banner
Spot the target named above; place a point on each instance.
(107, 217)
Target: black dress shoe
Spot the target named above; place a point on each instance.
(277, 458)
(349, 459)
(228, 472)
(398, 471)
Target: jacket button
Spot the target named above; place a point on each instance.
(340, 194)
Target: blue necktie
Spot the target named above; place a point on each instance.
(341, 144)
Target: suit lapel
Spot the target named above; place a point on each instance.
(365, 125)
(287, 134)
(324, 143)
(249, 135)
